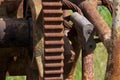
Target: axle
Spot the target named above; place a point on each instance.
(14, 32)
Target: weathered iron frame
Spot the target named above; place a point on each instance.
(104, 32)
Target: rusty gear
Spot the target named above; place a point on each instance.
(54, 42)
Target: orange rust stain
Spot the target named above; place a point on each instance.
(88, 67)
(116, 57)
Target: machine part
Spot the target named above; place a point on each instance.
(32, 12)
(87, 65)
(14, 32)
(96, 19)
(106, 3)
(87, 31)
(69, 58)
(11, 8)
(69, 53)
(69, 5)
(113, 65)
(74, 38)
(53, 40)
(67, 24)
(84, 23)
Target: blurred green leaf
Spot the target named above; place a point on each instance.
(16, 78)
(104, 12)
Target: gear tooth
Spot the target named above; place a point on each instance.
(53, 37)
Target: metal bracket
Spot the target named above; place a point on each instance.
(85, 30)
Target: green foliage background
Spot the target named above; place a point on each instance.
(16, 78)
(105, 14)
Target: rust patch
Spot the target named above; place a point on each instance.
(88, 65)
(116, 60)
(95, 18)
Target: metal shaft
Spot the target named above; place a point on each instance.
(14, 32)
(113, 67)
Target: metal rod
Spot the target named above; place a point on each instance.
(99, 2)
(87, 65)
(95, 18)
(87, 41)
(113, 67)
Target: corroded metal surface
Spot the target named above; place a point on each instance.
(8, 8)
(11, 8)
(73, 36)
(101, 26)
(35, 7)
(53, 46)
(113, 68)
(87, 43)
(69, 5)
(69, 54)
(54, 42)
(14, 9)
(88, 65)
(10, 32)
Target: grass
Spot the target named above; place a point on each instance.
(16, 78)
(100, 61)
(78, 71)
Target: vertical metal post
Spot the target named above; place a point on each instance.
(88, 65)
(113, 69)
